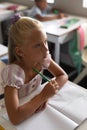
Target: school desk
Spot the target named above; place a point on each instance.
(58, 35)
(7, 10)
(65, 111)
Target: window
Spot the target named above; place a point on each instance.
(50, 1)
(84, 3)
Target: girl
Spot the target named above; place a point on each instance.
(27, 50)
(44, 12)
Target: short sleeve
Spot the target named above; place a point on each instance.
(34, 11)
(48, 9)
(12, 75)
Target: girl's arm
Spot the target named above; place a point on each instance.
(49, 17)
(58, 72)
(18, 113)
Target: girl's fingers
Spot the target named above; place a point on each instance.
(55, 84)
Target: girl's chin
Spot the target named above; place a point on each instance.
(39, 65)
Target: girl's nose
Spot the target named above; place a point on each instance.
(45, 50)
(45, 47)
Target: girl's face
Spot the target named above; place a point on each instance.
(36, 49)
(42, 4)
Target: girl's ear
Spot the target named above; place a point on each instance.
(19, 51)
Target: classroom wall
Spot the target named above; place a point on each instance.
(72, 6)
(24, 2)
(69, 6)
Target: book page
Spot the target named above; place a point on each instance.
(49, 119)
(71, 100)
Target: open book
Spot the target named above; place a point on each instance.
(65, 111)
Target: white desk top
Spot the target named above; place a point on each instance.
(5, 5)
(53, 27)
(68, 107)
(5, 13)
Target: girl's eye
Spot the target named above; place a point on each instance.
(45, 41)
(37, 45)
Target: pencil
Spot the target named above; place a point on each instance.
(43, 76)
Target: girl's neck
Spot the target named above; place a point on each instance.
(29, 73)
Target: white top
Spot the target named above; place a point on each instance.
(13, 75)
(35, 10)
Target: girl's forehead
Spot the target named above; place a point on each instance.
(38, 33)
(35, 36)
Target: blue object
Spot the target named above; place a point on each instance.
(4, 59)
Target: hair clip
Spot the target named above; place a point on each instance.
(15, 18)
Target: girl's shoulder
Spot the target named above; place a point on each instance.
(14, 69)
(12, 74)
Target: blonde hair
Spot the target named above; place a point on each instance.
(18, 34)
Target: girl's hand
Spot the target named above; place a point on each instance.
(50, 89)
(61, 15)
